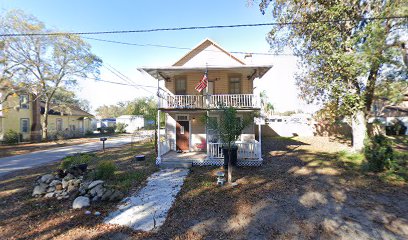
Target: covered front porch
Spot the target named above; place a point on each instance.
(249, 154)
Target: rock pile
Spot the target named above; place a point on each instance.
(71, 184)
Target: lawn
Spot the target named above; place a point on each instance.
(25, 217)
(307, 188)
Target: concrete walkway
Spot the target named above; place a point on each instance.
(29, 160)
(147, 209)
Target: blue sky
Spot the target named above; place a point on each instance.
(94, 15)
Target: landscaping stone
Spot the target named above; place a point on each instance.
(80, 202)
(51, 189)
(49, 195)
(40, 189)
(106, 195)
(47, 178)
(95, 183)
(64, 183)
(55, 182)
(58, 187)
(69, 177)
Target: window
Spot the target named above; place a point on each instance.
(24, 125)
(181, 86)
(59, 124)
(235, 85)
(182, 117)
(24, 101)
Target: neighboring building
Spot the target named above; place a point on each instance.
(231, 82)
(388, 113)
(105, 122)
(132, 122)
(23, 114)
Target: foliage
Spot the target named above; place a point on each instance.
(105, 170)
(379, 153)
(120, 127)
(88, 132)
(65, 99)
(110, 129)
(79, 158)
(342, 62)
(230, 126)
(42, 64)
(111, 111)
(396, 127)
(267, 106)
(11, 137)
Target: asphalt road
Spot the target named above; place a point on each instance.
(29, 160)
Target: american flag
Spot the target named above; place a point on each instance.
(203, 83)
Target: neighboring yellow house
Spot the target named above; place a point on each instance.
(23, 114)
(231, 82)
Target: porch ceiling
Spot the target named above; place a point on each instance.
(164, 73)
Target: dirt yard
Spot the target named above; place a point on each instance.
(305, 190)
(25, 217)
(302, 192)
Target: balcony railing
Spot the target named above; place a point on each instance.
(170, 101)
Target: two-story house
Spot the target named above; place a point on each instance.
(22, 113)
(231, 82)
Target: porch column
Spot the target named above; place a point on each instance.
(158, 160)
(260, 141)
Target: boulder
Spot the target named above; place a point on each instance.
(55, 182)
(116, 195)
(68, 177)
(64, 183)
(99, 190)
(47, 178)
(58, 187)
(106, 195)
(49, 195)
(95, 183)
(71, 188)
(81, 202)
(96, 199)
(51, 189)
(40, 189)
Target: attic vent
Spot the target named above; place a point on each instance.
(182, 117)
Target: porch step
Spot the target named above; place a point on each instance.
(175, 164)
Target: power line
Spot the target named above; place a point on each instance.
(199, 27)
(181, 48)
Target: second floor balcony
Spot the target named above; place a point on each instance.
(216, 101)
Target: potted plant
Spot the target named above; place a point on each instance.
(229, 128)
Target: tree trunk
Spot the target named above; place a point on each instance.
(229, 166)
(359, 130)
(44, 122)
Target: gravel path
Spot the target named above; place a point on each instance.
(147, 210)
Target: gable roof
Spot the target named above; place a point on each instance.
(55, 109)
(203, 46)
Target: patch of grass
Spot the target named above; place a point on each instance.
(105, 170)
(353, 161)
(125, 180)
(76, 159)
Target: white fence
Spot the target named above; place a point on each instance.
(246, 150)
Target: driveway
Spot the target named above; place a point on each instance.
(24, 161)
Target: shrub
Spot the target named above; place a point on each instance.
(76, 159)
(121, 127)
(108, 129)
(379, 154)
(105, 170)
(11, 137)
(396, 127)
(88, 132)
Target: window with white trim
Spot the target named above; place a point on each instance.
(24, 101)
(24, 125)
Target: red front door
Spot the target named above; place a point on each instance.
(183, 135)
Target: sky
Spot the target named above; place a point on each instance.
(92, 15)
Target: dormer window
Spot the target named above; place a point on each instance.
(24, 101)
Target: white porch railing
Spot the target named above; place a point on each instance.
(168, 100)
(246, 150)
(234, 100)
